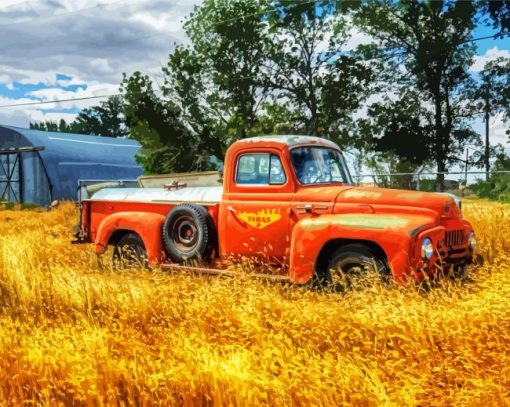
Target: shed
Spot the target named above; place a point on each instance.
(37, 167)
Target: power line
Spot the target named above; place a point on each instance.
(262, 12)
(158, 34)
(106, 5)
(64, 14)
(45, 102)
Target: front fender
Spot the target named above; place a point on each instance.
(393, 233)
(147, 225)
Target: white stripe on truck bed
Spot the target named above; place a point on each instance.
(210, 195)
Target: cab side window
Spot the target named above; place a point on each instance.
(260, 169)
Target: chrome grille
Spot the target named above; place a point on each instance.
(455, 238)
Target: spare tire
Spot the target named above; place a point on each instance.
(188, 233)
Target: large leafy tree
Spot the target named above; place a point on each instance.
(217, 78)
(498, 12)
(491, 96)
(308, 69)
(168, 145)
(427, 48)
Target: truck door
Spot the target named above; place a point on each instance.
(254, 214)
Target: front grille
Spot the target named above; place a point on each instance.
(454, 238)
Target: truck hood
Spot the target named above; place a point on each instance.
(383, 200)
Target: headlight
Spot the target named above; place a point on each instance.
(427, 249)
(472, 241)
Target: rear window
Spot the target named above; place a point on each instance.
(260, 169)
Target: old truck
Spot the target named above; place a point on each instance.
(289, 202)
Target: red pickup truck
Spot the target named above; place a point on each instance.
(287, 201)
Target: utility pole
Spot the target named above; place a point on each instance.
(487, 118)
(487, 165)
(465, 171)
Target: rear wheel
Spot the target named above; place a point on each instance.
(129, 252)
(349, 265)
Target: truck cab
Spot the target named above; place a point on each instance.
(288, 202)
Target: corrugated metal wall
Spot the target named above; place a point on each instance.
(53, 173)
(35, 185)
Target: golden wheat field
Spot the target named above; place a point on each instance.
(71, 334)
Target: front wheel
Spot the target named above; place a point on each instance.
(349, 265)
(129, 253)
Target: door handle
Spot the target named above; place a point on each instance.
(311, 208)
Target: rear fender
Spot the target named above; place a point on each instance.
(393, 234)
(146, 225)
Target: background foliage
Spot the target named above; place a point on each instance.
(256, 67)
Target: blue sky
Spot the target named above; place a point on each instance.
(18, 90)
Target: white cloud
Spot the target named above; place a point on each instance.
(490, 55)
(92, 41)
(497, 130)
(101, 64)
(357, 38)
(163, 21)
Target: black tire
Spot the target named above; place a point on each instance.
(129, 252)
(188, 233)
(351, 262)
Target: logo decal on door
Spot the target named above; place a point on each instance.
(260, 219)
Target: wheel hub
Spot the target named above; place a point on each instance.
(185, 234)
(347, 268)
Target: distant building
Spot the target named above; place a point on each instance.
(38, 167)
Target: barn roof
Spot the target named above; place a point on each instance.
(77, 146)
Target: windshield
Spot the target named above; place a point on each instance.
(316, 165)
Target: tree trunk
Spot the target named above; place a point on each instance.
(487, 145)
(439, 145)
(441, 167)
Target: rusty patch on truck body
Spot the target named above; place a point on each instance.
(378, 222)
(359, 193)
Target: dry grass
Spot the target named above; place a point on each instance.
(73, 335)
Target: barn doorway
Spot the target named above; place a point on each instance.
(11, 173)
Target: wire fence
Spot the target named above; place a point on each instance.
(457, 182)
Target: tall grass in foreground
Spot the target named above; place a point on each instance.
(73, 335)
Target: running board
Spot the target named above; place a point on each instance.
(226, 273)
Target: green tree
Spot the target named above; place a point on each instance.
(492, 96)
(216, 79)
(497, 186)
(385, 127)
(308, 69)
(230, 81)
(105, 119)
(499, 12)
(426, 48)
(168, 145)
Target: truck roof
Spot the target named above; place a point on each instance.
(290, 140)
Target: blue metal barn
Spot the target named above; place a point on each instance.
(37, 167)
